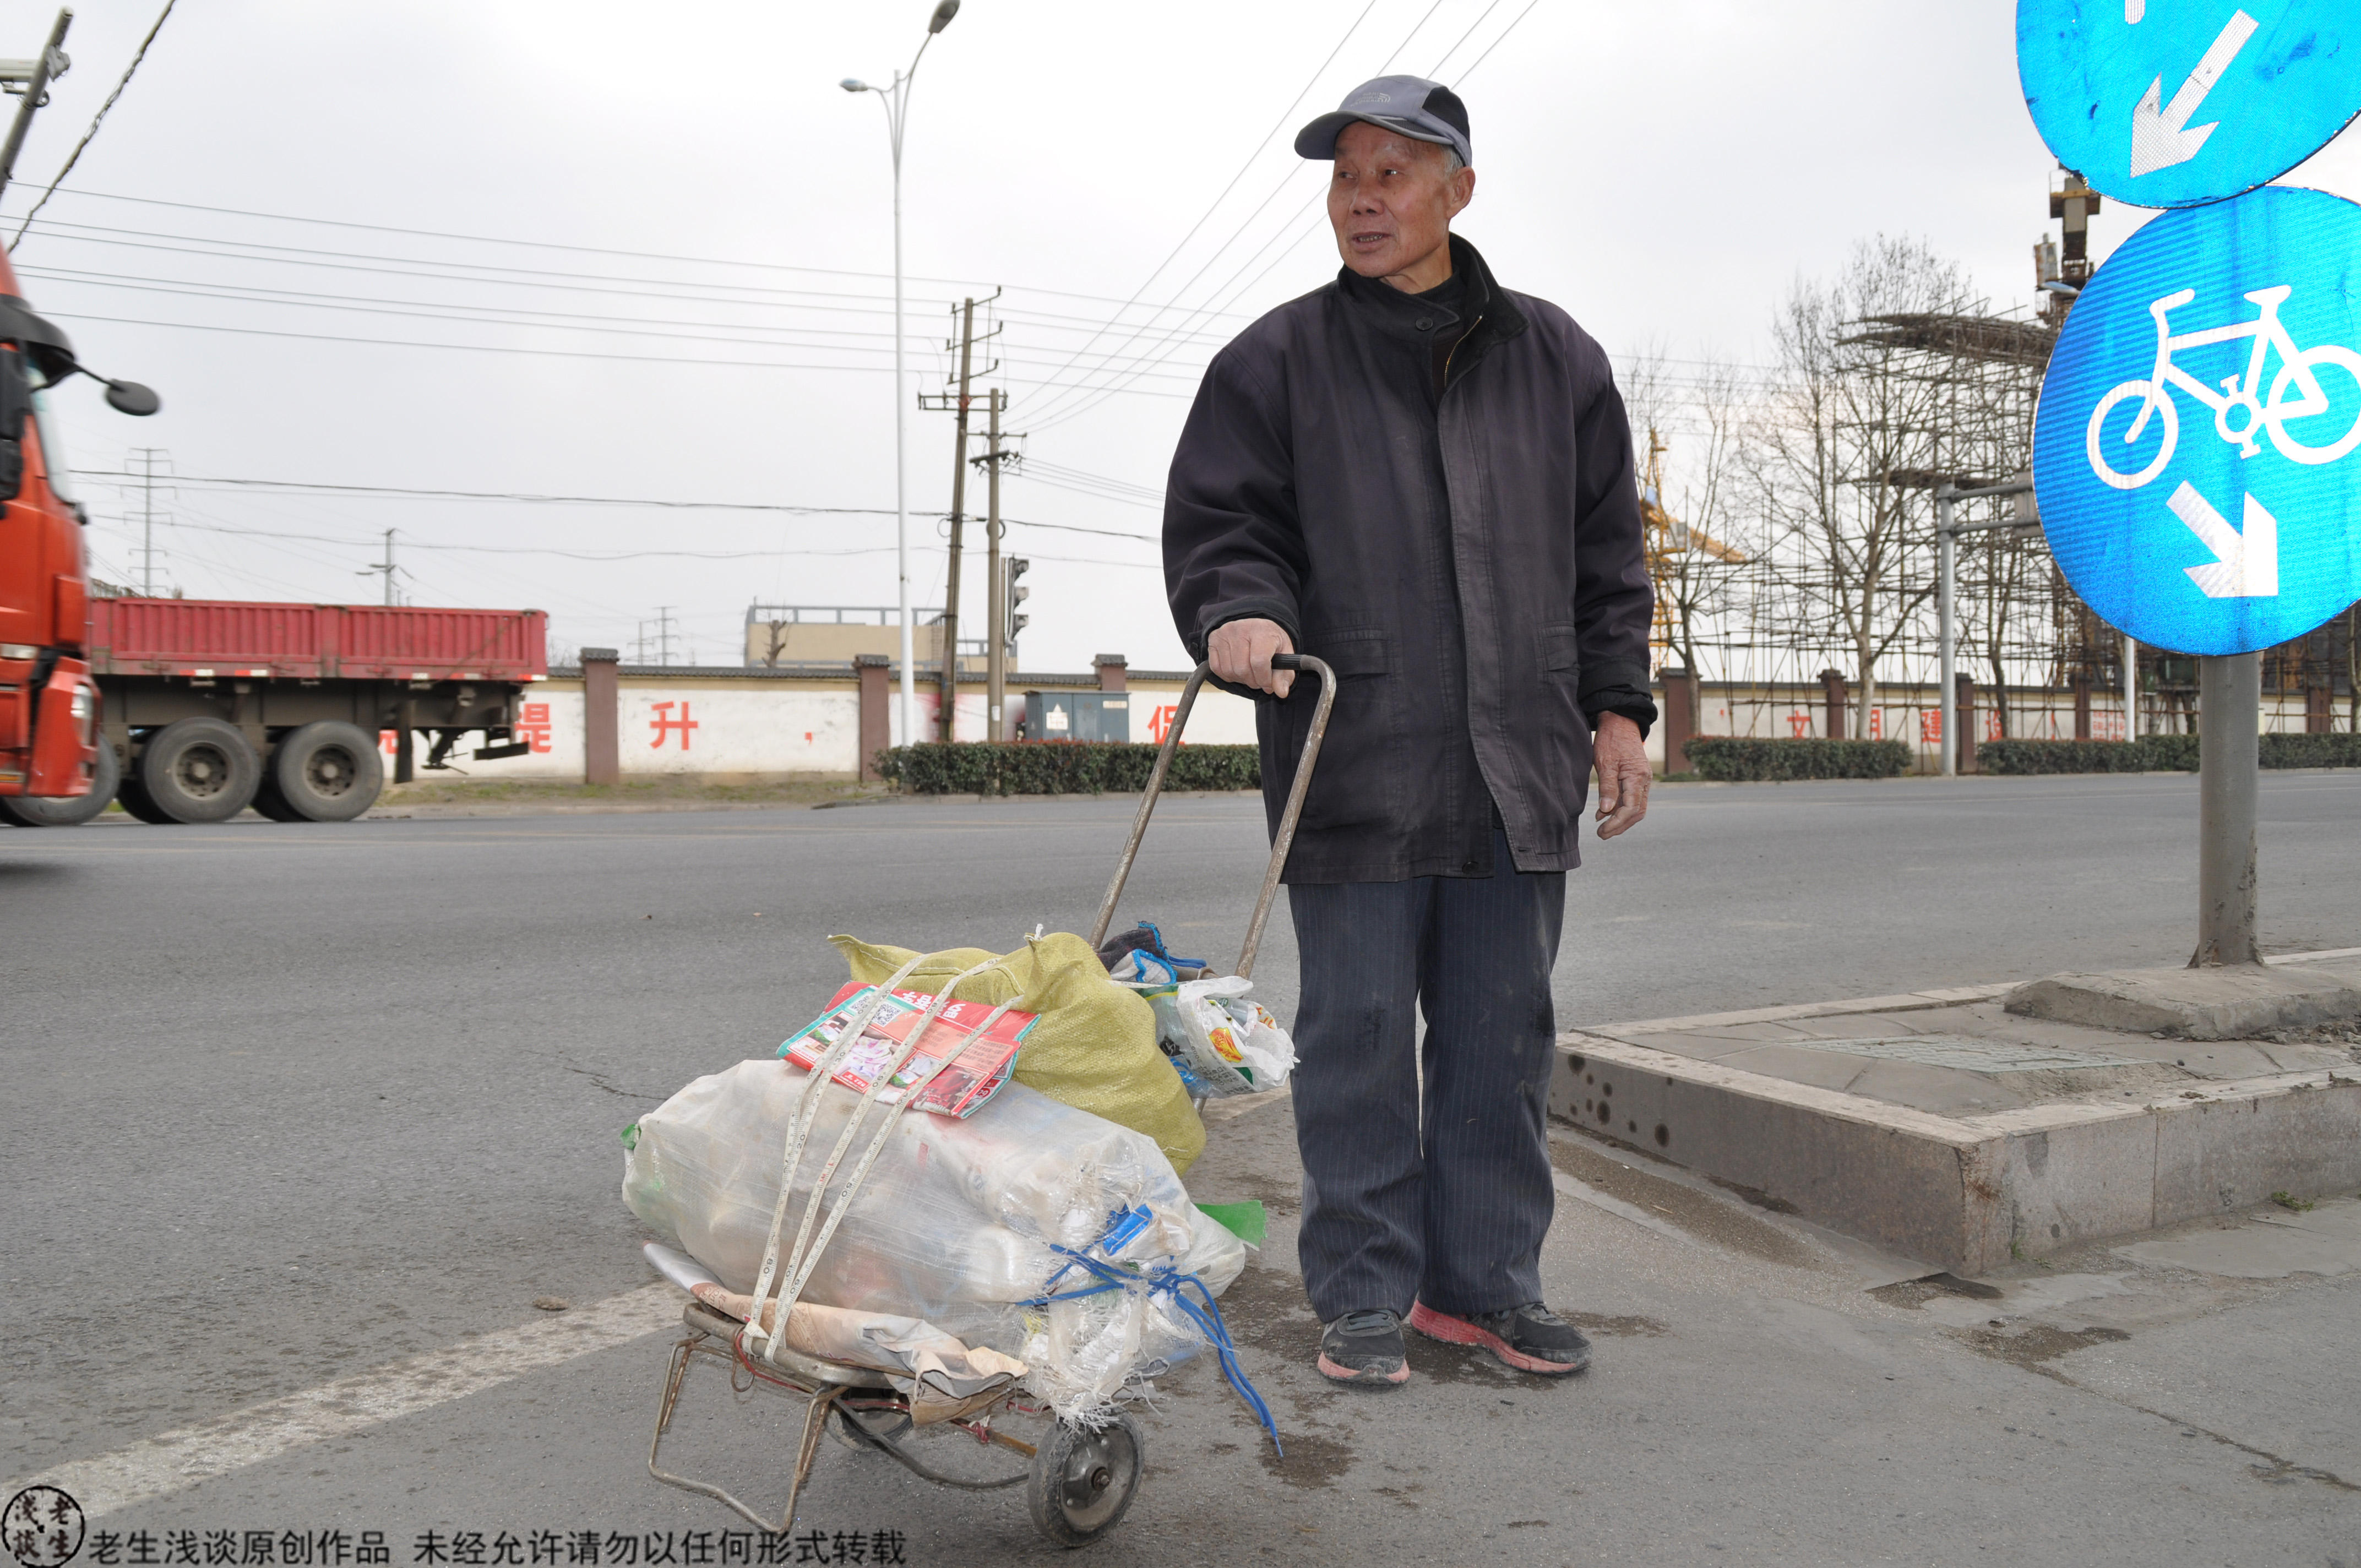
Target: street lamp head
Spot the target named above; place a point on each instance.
(853, 84)
(943, 17)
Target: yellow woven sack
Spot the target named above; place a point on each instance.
(1094, 1046)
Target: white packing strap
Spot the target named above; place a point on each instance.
(793, 1290)
(877, 1084)
(822, 1069)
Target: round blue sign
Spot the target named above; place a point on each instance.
(2197, 453)
(2175, 102)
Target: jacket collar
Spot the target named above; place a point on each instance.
(1495, 314)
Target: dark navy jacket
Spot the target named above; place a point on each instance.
(1467, 556)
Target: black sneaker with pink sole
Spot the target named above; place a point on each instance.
(1530, 1338)
(1365, 1350)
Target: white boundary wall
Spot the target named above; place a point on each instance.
(1913, 714)
(683, 726)
(773, 726)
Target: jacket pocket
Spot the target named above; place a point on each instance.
(1353, 782)
(1561, 653)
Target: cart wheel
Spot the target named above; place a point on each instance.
(1083, 1481)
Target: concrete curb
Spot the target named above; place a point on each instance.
(1969, 1193)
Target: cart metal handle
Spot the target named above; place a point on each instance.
(1280, 842)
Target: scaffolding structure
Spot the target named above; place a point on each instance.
(1951, 399)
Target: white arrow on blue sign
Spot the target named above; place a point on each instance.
(2176, 103)
(2198, 448)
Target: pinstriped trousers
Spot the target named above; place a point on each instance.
(1443, 1195)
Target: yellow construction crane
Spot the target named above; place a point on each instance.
(1667, 537)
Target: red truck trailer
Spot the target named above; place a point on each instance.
(211, 706)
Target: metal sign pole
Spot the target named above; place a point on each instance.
(1947, 547)
(2229, 711)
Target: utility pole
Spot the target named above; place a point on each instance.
(148, 456)
(960, 402)
(995, 664)
(949, 714)
(385, 566)
(664, 634)
(37, 75)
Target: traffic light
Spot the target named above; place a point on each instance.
(1017, 594)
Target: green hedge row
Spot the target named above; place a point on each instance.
(2158, 753)
(1738, 758)
(1063, 767)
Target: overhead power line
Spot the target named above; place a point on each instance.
(960, 283)
(531, 497)
(602, 555)
(1049, 414)
(507, 348)
(96, 120)
(604, 325)
(1215, 205)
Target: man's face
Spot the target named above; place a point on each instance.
(1391, 201)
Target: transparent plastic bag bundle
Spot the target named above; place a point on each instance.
(956, 1224)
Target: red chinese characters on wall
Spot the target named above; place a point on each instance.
(665, 725)
(533, 725)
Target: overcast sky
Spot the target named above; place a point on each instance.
(644, 253)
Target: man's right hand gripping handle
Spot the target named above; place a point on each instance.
(1241, 650)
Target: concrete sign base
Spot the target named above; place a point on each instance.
(2232, 1001)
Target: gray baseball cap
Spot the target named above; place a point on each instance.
(1423, 110)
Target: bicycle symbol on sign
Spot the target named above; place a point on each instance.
(2298, 375)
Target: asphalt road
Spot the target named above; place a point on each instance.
(297, 1102)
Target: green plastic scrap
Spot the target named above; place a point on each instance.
(1244, 1220)
(631, 1137)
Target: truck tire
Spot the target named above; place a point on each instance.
(325, 772)
(199, 770)
(43, 811)
(135, 802)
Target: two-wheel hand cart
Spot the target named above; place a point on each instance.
(1077, 1481)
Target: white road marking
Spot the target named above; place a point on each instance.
(173, 1461)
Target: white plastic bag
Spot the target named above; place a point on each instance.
(1230, 1041)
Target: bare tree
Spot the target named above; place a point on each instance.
(1696, 422)
(1849, 434)
(2013, 563)
(2353, 667)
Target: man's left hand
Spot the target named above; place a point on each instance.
(1623, 774)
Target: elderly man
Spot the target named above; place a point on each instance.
(1426, 480)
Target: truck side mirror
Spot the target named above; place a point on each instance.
(131, 397)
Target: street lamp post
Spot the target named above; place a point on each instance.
(896, 100)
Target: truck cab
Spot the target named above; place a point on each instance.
(49, 703)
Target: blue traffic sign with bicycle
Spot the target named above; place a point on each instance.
(2198, 447)
(2175, 102)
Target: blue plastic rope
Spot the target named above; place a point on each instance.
(1165, 1279)
(1165, 953)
